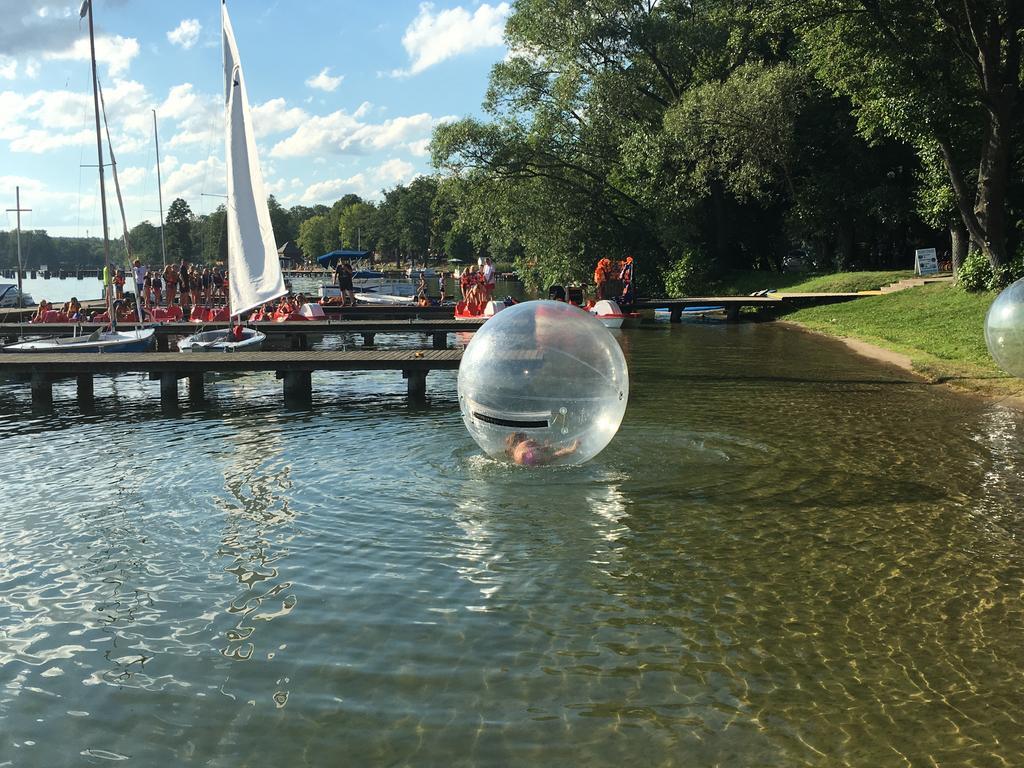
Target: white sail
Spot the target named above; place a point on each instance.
(254, 270)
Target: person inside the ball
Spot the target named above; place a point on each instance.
(528, 452)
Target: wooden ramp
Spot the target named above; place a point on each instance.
(294, 368)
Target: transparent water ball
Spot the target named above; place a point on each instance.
(1004, 330)
(543, 383)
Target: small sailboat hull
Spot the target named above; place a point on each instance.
(105, 342)
(221, 341)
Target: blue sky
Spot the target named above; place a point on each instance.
(344, 95)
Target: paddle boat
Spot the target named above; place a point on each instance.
(611, 315)
(465, 311)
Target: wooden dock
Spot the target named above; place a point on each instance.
(295, 335)
(293, 368)
(733, 304)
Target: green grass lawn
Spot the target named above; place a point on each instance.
(940, 327)
(743, 283)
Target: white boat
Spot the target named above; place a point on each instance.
(253, 264)
(361, 278)
(388, 293)
(9, 297)
(427, 272)
(97, 341)
(223, 340)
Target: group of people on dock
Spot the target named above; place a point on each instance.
(605, 275)
(477, 283)
(187, 285)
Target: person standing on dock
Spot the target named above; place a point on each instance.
(490, 278)
(626, 276)
(601, 276)
(171, 283)
(139, 274)
(158, 287)
(119, 284)
(184, 286)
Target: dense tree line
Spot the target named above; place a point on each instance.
(411, 222)
(705, 135)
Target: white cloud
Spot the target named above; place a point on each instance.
(115, 51)
(180, 102)
(341, 132)
(190, 180)
(185, 34)
(185, 138)
(8, 68)
(130, 177)
(275, 116)
(324, 81)
(37, 141)
(419, 148)
(432, 38)
(367, 184)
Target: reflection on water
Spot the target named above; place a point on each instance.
(787, 556)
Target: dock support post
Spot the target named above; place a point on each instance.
(298, 387)
(195, 388)
(85, 389)
(368, 339)
(417, 382)
(298, 342)
(162, 343)
(169, 388)
(732, 314)
(676, 314)
(441, 340)
(42, 390)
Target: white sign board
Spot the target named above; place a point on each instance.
(926, 262)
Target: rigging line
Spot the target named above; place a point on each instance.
(113, 168)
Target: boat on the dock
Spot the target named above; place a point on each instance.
(387, 293)
(9, 297)
(99, 341)
(464, 311)
(224, 340)
(253, 263)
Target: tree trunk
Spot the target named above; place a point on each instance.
(993, 183)
(959, 239)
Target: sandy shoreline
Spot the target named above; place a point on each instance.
(904, 363)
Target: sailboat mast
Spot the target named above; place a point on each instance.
(19, 210)
(159, 191)
(87, 7)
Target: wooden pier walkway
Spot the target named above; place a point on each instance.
(296, 334)
(294, 368)
(733, 304)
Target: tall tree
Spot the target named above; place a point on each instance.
(945, 75)
(178, 231)
(358, 225)
(281, 222)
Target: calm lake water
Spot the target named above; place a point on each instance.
(788, 556)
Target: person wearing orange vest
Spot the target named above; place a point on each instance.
(602, 274)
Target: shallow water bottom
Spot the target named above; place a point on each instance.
(787, 556)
